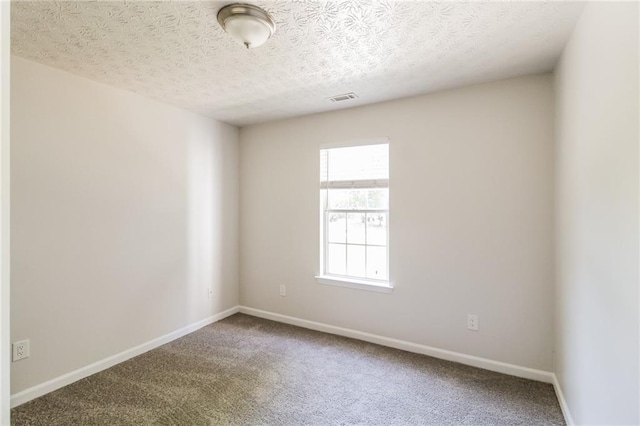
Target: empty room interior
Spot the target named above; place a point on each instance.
(320, 213)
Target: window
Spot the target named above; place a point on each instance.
(354, 197)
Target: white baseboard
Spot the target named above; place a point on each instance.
(563, 402)
(66, 379)
(474, 361)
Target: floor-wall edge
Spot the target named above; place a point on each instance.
(474, 361)
(488, 364)
(41, 389)
(563, 402)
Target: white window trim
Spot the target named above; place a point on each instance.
(377, 286)
(345, 281)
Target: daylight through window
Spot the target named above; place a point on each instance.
(354, 192)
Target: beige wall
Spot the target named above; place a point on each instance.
(597, 210)
(124, 212)
(471, 222)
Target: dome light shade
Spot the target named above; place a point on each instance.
(247, 24)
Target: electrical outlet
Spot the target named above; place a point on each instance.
(283, 290)
(20, 350)
(210, 293)
(472, 322)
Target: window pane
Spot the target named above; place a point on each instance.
(355, 228)
(336, 259)
(348, 199)
(338, 198)
(359, 199)
(377, 263)
(377, 228)
(355, 261)
(355, 163)
(378, 198)
(337, 228)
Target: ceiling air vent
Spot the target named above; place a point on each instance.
(345, 97)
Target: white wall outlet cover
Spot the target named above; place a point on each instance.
(283, 290)
(20, 350)
(472, 322)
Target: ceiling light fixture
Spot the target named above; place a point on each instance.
(247, 24)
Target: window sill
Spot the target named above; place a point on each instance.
(353, 283)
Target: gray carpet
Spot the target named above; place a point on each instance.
(248, 371)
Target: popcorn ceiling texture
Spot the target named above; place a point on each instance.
(248, 371)
(175, 51)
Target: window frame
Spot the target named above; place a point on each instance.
(371, 284)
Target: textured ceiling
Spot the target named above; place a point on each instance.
(174, 51)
